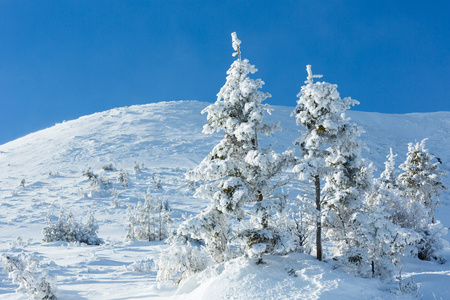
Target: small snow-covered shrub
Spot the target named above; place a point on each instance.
(149, 221)
(99, 184)
(408, 287)
(115, 202)
(26, 271)
(432, 242)
(89, 174)
(68, 229)
(16, 190)
(18, 243)
(142, 266)
(182, 260)
(108, 167)
(53, 174)
(156, 183)
(123, 177)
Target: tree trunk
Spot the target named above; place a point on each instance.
(319, 219)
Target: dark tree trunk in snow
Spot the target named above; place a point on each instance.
(319, 218)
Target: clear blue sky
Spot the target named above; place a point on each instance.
(61, 59)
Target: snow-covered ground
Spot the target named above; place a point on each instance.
(165, 140)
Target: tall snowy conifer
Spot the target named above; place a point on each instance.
(347, 186)
(319, 110)
(237, 171)
(332, 150)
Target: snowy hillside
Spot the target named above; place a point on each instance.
(155, 145)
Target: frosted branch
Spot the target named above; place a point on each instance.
(311, 77)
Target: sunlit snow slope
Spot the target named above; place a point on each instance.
(42, 172)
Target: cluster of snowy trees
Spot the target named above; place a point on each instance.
(366, 222)
(149, 221)
(67, 228)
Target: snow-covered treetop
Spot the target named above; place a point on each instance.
(238, 108)
(389, 175)
(236, 44)
(311, 77)
(321, 111)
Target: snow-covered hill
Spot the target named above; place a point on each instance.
(42, 172)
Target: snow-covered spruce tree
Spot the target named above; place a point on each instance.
(421, 184)
(331, 150)
(422, 179)
(381, 240)
(237, 171)
(387, 193)
(388, 178)
(319, 111)
(383, 234)
(346, 188)
(149, 221)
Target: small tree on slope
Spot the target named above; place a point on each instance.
(421, 184)
(237, 171)
(421, 180)
(383, 235)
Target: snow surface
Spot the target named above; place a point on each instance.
(165, 140)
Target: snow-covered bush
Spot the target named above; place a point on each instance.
(432, 242)
(137, 168)
(68, 229)
(142, 266)
(16, 190)
(33, 280)
(98, 185)
(149, 221)
(157, 183)
(123, 177)
(108, 167)
(408, 287)
(180, 261)
(115, 201)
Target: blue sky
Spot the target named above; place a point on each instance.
(60, 59)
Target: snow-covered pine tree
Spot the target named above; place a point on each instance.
(388, 178)
(237, 171)
(319, 110)
(348, 177)
(387, 190)
(384, 235)
(421, 183)
(422, 178)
